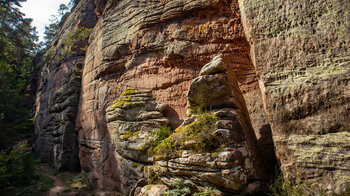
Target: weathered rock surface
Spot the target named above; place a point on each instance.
(131, 121)
(57, 142)
(58, 93)
(301, 53)
(153, 190)
(216, 149)
(300, 50)
(159, 46)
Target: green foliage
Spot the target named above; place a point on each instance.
(209, 191)
(73, 3)
(18, 175)
(81, 181)
(205, 123)
(17, 49)
(180, 188)
(50, 32)
(39, 187)
(52, 29)
(62, 9)
(121, 102)
(74, 38)
(187, 187)
(141, 148)
(196, 136)
(276, 185)
(129, 134)
(160, 136)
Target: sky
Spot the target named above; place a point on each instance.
(41, 11)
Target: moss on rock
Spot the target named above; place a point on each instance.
(196, 136)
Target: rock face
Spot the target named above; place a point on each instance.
(57, 141)
(301, 53)
(131, 122)
(159, 46)
(217, 148)
(58, 93)
(292, 74)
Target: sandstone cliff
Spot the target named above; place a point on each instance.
(286, 67)
(300, 50)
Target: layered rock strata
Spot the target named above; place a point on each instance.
(216, 148)
(300, 50)
(58, 90)
(57, 142)
(159, 46)
(131, 122)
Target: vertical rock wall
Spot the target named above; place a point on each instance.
(158, 46)
(301, 53)
(300, 50)
(58, 93)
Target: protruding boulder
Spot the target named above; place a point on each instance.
(153, 190)
(216, 87)
(214, 67)
(215, 146)
(131, 121)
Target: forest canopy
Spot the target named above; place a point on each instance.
(19, 45)
(17, 49)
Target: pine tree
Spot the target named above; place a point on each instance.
(17, 48)
(52, 29)
(62, 9)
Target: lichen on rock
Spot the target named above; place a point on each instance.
(213, 148)
(131, 127)
(301, 54)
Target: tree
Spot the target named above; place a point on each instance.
(52, 29)
(62, 9)
(9, 9)
(73, 3)
(17, 48)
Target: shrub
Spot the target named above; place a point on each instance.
(179, 188)
(74, 37)
(187, 187)
(159, 137)
(199, 134)
(16, 167)
(18, 175)
(276, 185)
(81, 180)
(209, 191)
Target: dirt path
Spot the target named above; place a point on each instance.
(59, 185)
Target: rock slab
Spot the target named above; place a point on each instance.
(301, 53)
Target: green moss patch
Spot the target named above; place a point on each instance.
(125, 99)
(128, 135)
(196, 136)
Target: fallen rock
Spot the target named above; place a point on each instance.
(153, 190)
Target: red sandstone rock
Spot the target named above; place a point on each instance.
(158, 46)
